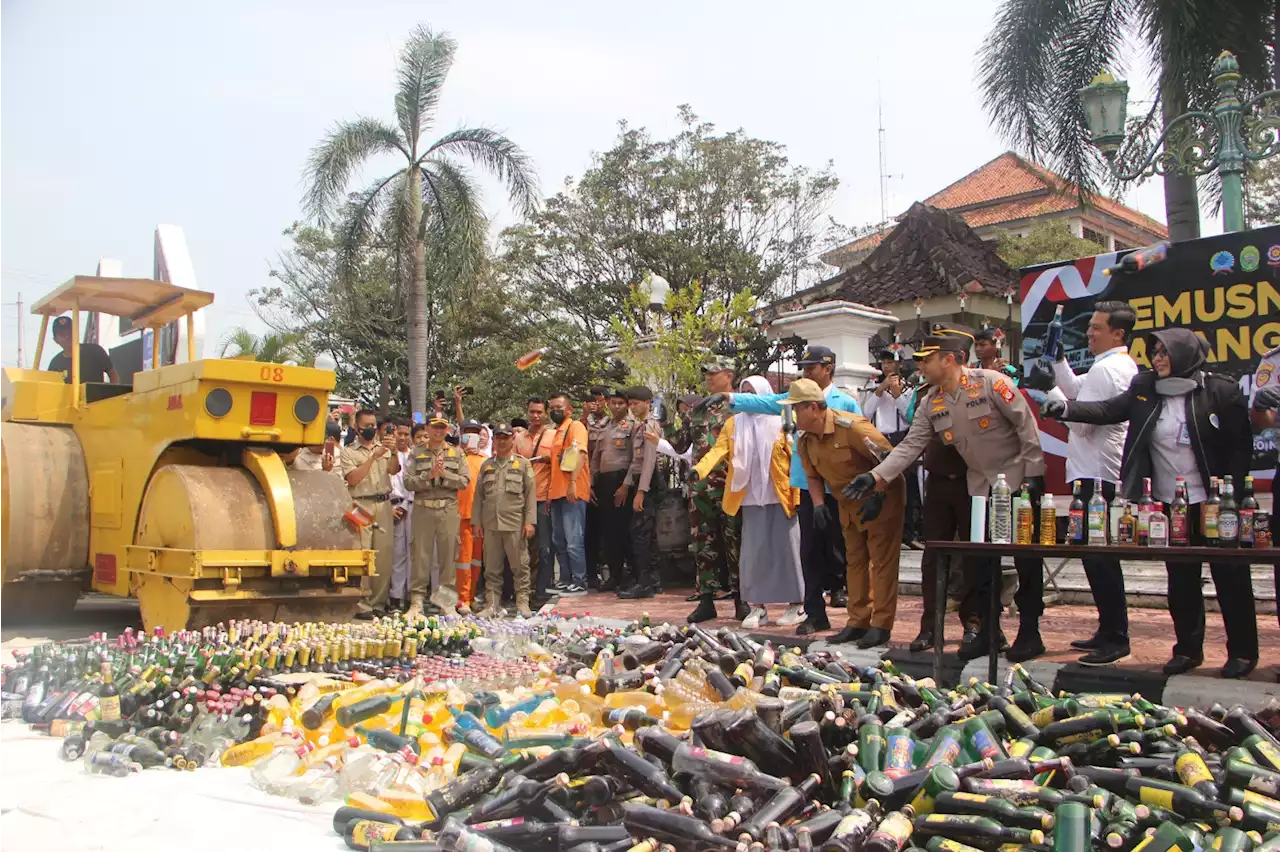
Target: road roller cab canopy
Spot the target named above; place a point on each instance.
(146, 303)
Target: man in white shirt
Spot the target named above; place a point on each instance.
(1094, 452)
(402, 523)
(886, 406)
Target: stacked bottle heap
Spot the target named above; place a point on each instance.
(680, 739)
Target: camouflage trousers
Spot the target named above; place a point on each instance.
(717, 539)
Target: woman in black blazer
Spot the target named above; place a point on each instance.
(1185, 422)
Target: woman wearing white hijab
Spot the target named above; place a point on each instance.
(759, 482)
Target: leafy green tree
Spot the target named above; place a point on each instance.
(274, 348)
(1262, 193)
(427, 208)
(723, 209)
(1040, 53)
(1045, 242)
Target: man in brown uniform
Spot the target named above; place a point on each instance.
(835, 449)
(368, 466)
(505, 508)
(437, 472)
(990, 424)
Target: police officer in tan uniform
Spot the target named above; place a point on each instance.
(437, 472)
(834, 449)
(506, 510)
(990, 423)
(609, 491)
(368, 466)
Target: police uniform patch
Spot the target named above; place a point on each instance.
(984, 423)
(1264, 375)
(515, 464)
(975, 393)
(948, 436)
(964, 380)
(1002, 388)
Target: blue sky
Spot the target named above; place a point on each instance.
(115, 117)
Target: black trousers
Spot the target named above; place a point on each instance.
(947, 507)
(644, 544)
(1030, 595)
(1106, 580)
(1234, 585)
(614, 524)
(591, 541)
(913, 522)
(821, 556)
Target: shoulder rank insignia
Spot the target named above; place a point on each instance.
(1002, 388)
(846, 422)
(515, 464)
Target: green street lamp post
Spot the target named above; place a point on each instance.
(1194, 143)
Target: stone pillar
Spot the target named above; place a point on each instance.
(844, 327)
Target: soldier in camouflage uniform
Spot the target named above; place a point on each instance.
(716, 536)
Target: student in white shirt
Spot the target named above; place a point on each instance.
(1094, 452)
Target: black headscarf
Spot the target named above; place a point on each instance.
(1187, 355)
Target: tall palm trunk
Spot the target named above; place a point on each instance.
(417, 298)
(1181, 198)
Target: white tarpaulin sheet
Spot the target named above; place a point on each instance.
(50, 805)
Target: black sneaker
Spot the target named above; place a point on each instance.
(573, 590)
(808, 627)
(1091, 644)
(1105, 655)
(839, 599)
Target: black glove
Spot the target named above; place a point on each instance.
(1040, 377)
(1267, 399)
(871, 508)
(1054, 409)
(1036, 483)
(714, 399)
(692, 476)
(821, 516)
(862, 485)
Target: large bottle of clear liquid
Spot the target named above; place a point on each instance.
(1097, 515)
(1001, 512)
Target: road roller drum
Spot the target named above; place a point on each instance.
(45, 494)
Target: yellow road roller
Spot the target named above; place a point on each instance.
(171, 489)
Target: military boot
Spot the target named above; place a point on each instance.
(522, 606)
(415, 607)
(493, 607)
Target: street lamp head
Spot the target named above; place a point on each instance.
(655, 289)
(1105, 101)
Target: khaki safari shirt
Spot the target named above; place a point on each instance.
(506, 496)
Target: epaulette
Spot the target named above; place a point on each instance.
(1271, 352)
(845, 421)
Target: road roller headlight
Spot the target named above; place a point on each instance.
(306, 409)
(217, 403)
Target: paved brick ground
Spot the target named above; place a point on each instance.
(1150, 630)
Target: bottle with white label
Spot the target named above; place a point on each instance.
(1158, 526)
(1096, 516)
(1114, 515)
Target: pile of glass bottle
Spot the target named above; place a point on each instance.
(681, 739)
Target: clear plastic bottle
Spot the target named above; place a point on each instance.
(1001, 512)
(318, 784)
(105, 763)
(274, 773)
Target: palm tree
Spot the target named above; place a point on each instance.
(432, 197)
(1040, 53)
(271, 347)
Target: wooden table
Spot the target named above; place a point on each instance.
(987, 551)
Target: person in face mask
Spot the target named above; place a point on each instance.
(470, 547)
(1184, 422)
(368, 466)
(570, 488)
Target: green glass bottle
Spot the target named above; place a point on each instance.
(941, 779)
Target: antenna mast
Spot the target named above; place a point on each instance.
(884, 171)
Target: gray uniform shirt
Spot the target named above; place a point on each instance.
(613, 449)
(644, 456)
(989, 423)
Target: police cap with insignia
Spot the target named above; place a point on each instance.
(946, 337)
(503, 429)
(639, 392)
(470, 426)
(816, 355)
(437, 420)
(618, 393)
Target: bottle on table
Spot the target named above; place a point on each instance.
(1048, 520)
(1209, 514)
(1097, 515)
(1144, 510)
(1248, 507)
(1158, 526)
(1179, 525)
(1127, 527)
(1001, 512)
(1228, 516)
(1024, 517)
(1114, 514)
(1075, 517)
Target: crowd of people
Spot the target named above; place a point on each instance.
(805, 498)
